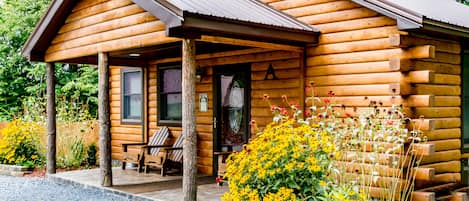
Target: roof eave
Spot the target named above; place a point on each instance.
(195, 25)
(163, 10)
(446, 28)
(46, 28)
(184, 24)
(406, 19)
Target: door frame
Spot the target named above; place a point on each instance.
(244, 68)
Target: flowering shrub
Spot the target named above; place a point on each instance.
(289, 160)
(327, 155)
(20, 143)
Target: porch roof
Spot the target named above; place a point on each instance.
(240, 19)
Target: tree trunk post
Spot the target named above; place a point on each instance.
(51, 119)
(104, 120)
(189, 181)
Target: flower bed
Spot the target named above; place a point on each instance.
(331, 154)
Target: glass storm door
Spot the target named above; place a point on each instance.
(232, 89)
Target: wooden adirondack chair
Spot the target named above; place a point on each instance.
(171, 157)
(159, 138)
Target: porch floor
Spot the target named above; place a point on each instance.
(141, 186)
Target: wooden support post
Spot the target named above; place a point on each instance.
(51, 119)
(302, 82)
(104, 120)
(189, 181)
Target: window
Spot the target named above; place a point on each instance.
(170, 96)
(465, 99)
(131, 96)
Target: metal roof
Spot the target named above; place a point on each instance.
(252, 11)
(446, 11)
(447, 16)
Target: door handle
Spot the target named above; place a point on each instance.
(215, 122)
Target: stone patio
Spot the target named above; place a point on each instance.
(141, 186)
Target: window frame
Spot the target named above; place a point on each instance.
(125, 120)
(162, 107)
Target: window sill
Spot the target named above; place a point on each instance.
(175, 123)
(131, 122)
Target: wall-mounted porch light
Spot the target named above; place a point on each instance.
(200, 73)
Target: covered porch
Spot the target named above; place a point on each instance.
(195, 35)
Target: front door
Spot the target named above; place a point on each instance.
(231, 108)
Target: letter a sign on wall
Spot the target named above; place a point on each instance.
(270, 73)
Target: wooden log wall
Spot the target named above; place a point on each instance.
(105, 26)
(438, 82)
(120, 132)
(362, 53)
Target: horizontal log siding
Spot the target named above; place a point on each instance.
(120, 133)
(356, 58)
(105, 26)
(444, 111)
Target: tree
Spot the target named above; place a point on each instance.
(463, 1)
(17, 75)
(19, 78)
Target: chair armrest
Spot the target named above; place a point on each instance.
(172, 148)
(147, 148)
(156, 146)
(125, 145)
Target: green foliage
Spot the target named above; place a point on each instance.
(20, 143)
(463, 1)
(19, 78)
(17, 20)
(91, 154)
(75, 156)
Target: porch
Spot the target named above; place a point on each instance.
(141, 186)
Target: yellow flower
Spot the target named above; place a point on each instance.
(322, 183)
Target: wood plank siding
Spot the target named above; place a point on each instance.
(105, 26)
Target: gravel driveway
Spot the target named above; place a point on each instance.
(38, 189)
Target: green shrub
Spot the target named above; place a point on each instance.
(20, 143)
(91, 154)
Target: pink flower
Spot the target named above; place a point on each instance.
(266, 97)
(252, 122)
(219, 179)
(284, 98)
(326, 100)
(273, 107)
(307, 113)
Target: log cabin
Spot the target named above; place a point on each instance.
(201, 68)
